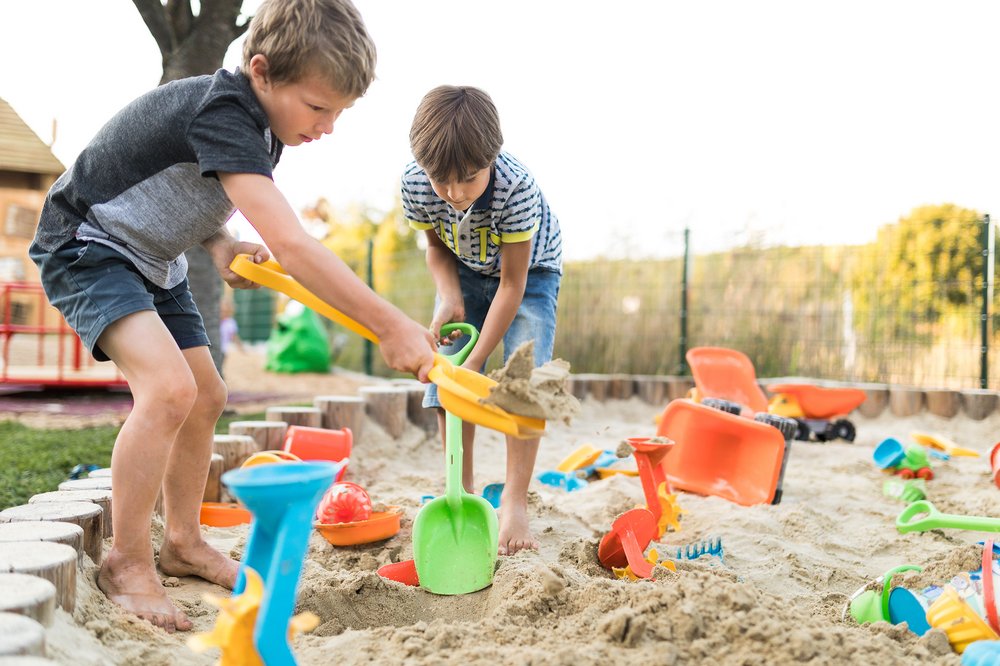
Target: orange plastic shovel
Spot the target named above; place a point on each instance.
(459, 389)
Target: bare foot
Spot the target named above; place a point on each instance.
(515, 534)
(198, 559)
(135, 587)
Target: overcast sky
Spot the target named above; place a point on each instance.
(799, 121)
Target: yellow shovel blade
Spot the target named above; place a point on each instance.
(942, 444)
(459, 389)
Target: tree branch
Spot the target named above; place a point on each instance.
(155, 17)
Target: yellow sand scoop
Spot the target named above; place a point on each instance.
(941, 444)
(459, 389)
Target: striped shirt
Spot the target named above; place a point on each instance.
(511, 210)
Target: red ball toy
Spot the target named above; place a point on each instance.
(344, 502)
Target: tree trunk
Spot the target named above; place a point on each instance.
(191, 45)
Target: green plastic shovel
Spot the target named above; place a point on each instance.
(908, 520)
(455, 537)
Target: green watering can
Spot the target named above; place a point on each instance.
(455, 537)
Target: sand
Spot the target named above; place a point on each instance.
(778, 597)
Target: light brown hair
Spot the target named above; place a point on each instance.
(301, 38)
(455, 132)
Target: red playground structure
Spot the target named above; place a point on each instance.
(40, 349)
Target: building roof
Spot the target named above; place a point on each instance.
(21, 149)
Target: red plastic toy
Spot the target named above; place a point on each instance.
(344, 502)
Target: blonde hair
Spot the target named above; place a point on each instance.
(455, 132)
(301, 38)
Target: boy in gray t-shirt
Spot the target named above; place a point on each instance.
(161, 177)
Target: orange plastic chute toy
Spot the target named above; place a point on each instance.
(817, 402)
(624, 545)
(725, 373)
(721, 454)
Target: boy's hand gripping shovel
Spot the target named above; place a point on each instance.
(455, 537)
(459, 389)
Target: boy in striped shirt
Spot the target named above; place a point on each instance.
(494, 250)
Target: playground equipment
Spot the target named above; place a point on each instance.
(867, 605)
(572, 473)
(725, 373)
(404, 572)
(344, 502)
(717, 453)
(711, 546)
(455, 537)
(459, 389)
(649, 453)
(40, 349)
(282, 499)
(380, 525)
(960, 623)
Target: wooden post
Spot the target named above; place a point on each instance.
(27, 595)
(65, 534)
(943, 402)
(20, 635)
(420, 416)
(386, 405)
(101, 498)
(87, 515)
(651, 389)
(599, 387)
(100, 483)
(678, 387)
(55, 562)
(621, 387)
(213, 484)
(876, 399)
(979, 403)
(269, 435)
(905, 400)
(342, 411)
(303, 416)
(234, 449)
(579, 386)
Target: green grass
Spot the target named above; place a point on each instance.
(35, 461)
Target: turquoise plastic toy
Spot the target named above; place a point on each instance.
(982, 653)
(282, 499)
(889, 453)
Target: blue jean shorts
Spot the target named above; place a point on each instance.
(93, 286)
(535, 319)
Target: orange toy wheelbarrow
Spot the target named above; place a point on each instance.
(725, 373)
(815, 409)
(459, 389)
(717, 453)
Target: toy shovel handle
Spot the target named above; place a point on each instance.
(271, 274)
(633, 554)
(458, 357)
(907, 521)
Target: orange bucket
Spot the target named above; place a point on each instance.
(995, 463)
(721, 454)
(319, 444)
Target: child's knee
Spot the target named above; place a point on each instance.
(213, 395)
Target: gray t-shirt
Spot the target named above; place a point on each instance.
(146, 184)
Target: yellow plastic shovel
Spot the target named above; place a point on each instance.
(459, 389)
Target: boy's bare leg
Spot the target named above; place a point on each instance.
(515, 533)
(184, 551)
(163, 392)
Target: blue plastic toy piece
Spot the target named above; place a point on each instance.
(711, 546)
(982, 653)
(79, 470)
(889, 453)
(566, 480)
(491, 494)
(905, 606)
(282, 499)
(940, 455)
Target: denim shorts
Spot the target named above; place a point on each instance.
(93, 286)
(535, 319)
